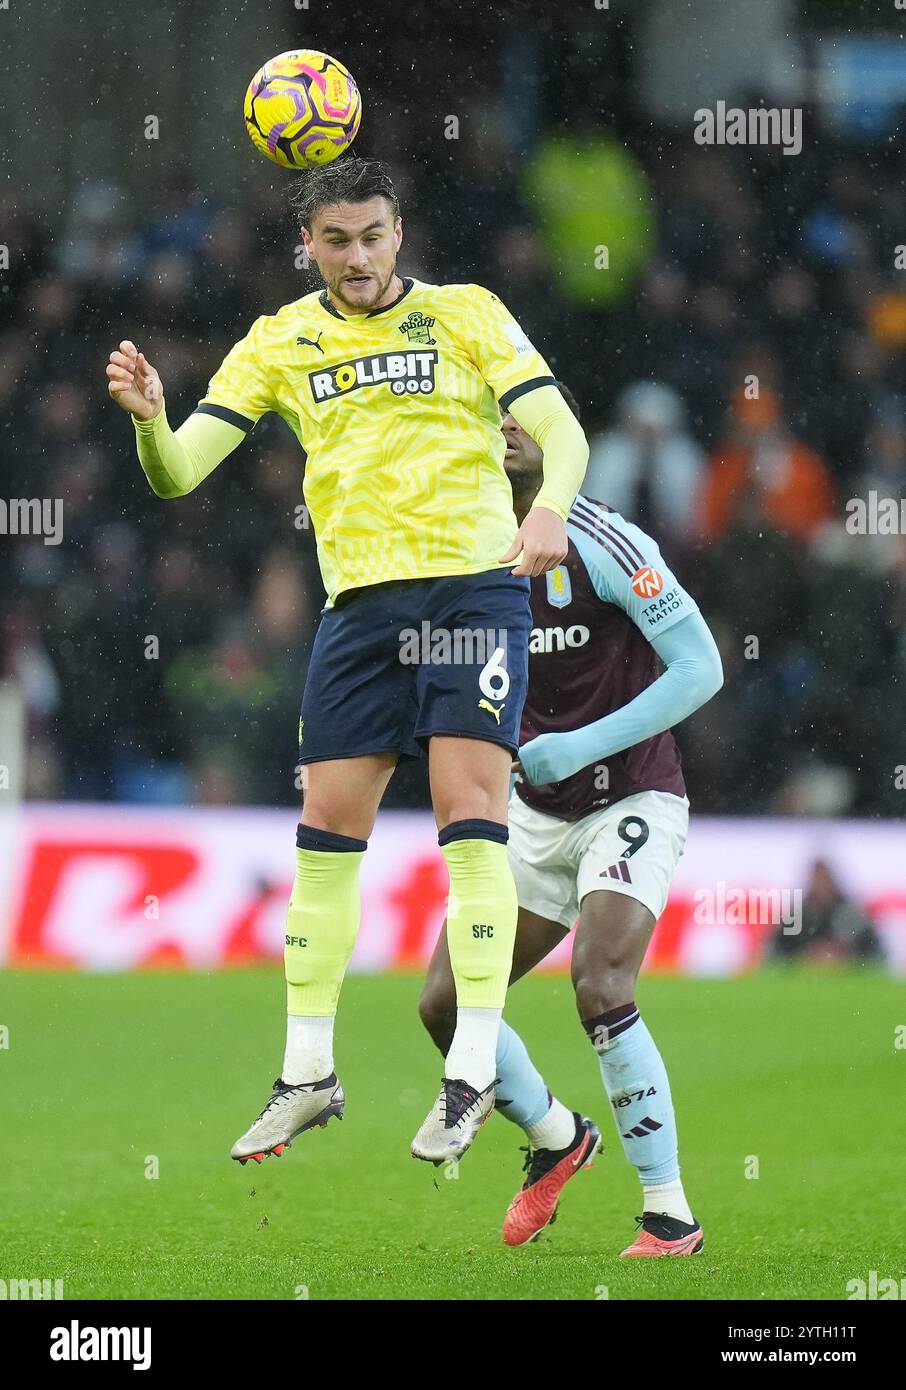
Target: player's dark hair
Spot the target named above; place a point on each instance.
(570, 399)
(350, 180)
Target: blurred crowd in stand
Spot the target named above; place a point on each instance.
(738, 353)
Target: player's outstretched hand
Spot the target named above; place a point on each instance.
(541, 542)
(133, 383)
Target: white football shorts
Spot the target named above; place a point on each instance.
(631, 847)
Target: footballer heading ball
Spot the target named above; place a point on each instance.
(302, 109)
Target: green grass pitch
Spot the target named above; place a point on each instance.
(798, 1072)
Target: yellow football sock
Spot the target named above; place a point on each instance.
(322, 921)
(481, 914)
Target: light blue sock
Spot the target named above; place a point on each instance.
(635, 1080)
(522, 1095)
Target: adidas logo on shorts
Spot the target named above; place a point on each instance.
(618, 870)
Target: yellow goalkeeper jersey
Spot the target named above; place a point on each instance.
(397, 413)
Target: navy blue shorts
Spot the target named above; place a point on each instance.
(395, 663)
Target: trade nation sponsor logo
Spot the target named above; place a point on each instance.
(404, 372)
(647, 583)
(662, 604)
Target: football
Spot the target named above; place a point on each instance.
(302, 109)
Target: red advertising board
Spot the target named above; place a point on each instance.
(117, 888)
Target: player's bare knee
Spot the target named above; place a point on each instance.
(473, 804)
(339, 819)
(598, 991)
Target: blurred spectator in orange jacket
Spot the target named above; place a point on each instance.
(763, 476)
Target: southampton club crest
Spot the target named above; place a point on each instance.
(417, 328)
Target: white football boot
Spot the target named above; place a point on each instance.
(290, 1111)
(455, 1118)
